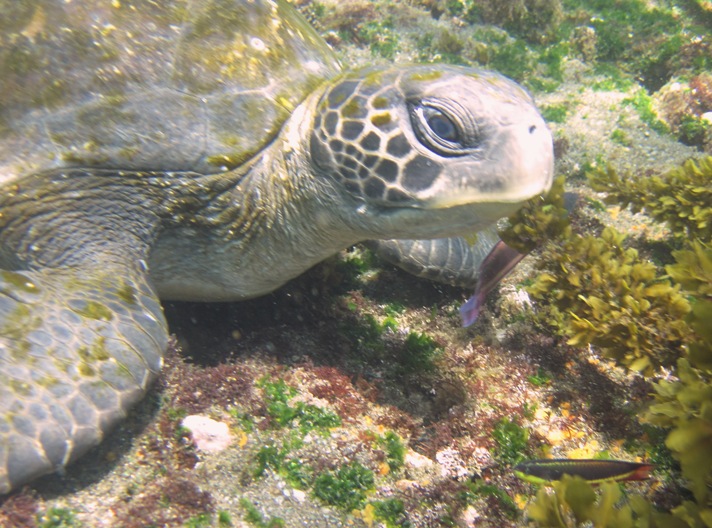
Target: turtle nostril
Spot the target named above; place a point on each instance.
(532, 129)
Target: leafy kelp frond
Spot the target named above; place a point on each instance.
(542, 218)
(600, 293)
(596, 291)
(574, 502)
(682, 198)
(685, 404)
(693, 271)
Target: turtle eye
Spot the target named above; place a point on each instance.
(443, 128)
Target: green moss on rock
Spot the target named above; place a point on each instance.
(346, 487)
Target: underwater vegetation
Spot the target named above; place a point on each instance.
(530, 40)
(541, 219)
(398, 348)
(511, 441)
(681, 198)
(346, 487)
(575, 503)
(595, 291)
(601, 290)
(535, 20)
(255, 518)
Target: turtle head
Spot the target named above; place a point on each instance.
(467, 146)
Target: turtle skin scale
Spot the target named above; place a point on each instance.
(210, 150)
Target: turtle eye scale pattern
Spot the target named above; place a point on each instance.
(358, 140)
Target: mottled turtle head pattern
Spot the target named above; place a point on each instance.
(431, 136)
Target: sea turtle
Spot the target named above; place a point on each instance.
(208, 150)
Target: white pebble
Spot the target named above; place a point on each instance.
(208, 435)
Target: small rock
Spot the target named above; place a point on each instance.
(469, 517)
(208, 435)
(416, 460)
(406, 484)
(515, 300)
(299, 495)
(451, 464)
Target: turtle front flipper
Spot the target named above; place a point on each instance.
(82, 333)
(451, 261)
(78, 348)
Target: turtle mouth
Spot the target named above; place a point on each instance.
(504, 198)
(421, 220)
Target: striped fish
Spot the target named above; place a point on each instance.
(591, 470)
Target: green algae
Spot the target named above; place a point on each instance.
(511, 441)
(621, 137)
(47, 381)
(255, 518)
(555, 113)
(21, 388)
(94, 310)
(297, 475)
(482, 489)
(347, 487)
(306, 417)
(58, 518)
(97, 351)
(395, 450)
(229, 160)
(390, 511)
(694, 130)
(17, 327)
(431, 75)
(126, 293)
(643, 104)
(380, 37)
(91, 356)
(373, 78)
(19, 281)
(351, 109)
(419, 353)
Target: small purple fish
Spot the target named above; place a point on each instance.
(497, 264)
